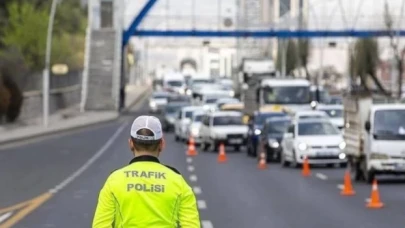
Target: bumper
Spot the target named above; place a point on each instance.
(230, 142)
(168, 126)
(390, 167)
(321, 159)
(273, 153)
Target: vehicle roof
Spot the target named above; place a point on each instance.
(278, 118)
(392, 106)
(225, 113)
(199, 112)
(313, 87)
(177, 103)
(313, 120)
(161, 93)
(191, 108)
(228, 99)
(309, 113)
(268, 113)
(173, 76)
(285, 82)
(329, 107)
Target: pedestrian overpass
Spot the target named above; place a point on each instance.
(313, 19)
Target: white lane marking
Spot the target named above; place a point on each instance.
(197, 190)
(340, 186)
(89, 162)
(207, 224)
(5, 216)
(189, 160)
(190, 168)
(367, 200)
(201, 204)
(193, 178)
(321, 176)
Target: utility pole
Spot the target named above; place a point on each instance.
(46, 74)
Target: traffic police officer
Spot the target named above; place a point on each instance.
(146, 193)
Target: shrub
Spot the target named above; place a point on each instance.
(4, 100)
(15, 100)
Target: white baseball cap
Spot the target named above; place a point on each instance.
(147, 122)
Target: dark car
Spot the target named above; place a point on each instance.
(255, 128)
(169, 114)
(272, 135)
(336, 100)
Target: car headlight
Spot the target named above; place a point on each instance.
(231, 93)
(188, 92)
(302, 146)
(342, 145)
(152, 104)
(379, 156)
(258, 132)
(342, 156)
(273, 143)
(194, 131)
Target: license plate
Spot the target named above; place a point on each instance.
(235, 141)
(326, 153)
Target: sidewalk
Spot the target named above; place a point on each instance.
(67, 119)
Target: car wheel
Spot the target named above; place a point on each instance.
(295, 163)
(236, 148)
(176, 138)
(283, 161)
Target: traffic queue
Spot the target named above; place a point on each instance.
(208, 112)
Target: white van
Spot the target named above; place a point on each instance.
(174, 82)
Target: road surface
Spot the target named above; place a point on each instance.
(54, 182)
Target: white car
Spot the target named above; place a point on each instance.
(227, 100)
(223, 127)
(157, 101)
(335, 113)
(182, 122)
(317, 139)
(310, 114)
(194, 127)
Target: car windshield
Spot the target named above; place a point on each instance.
(317, 128)
(201, 81)
(286, 95)
(261, 118)
(179, 99)
(170, 109)
(211, 100)
(227, 120)
(198, 118)
(278, 127)
(335, 100)
(314, 116)
(324, 96)
(333, 113)
(189, 114)
(389, 125)
(160, 96)
(175, 83)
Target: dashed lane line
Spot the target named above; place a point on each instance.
(5, 216)
(197, 190)
(201, 204)
(340, 186)
(190, 168)
(207, 224)
(189, 160)
(193, 178)
(321, 176)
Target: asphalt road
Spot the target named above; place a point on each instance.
(234, 195)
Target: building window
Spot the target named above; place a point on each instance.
(107, 14)
(285, 6)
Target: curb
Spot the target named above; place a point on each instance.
(46, 132)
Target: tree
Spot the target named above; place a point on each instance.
(291, 57)
(399, 57)
(26, 31)
(363, 62)
(303, 55)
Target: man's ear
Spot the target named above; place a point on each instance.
(131, 144)
(162, 144)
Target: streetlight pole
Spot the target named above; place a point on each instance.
(46, 74)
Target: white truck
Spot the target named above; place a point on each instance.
(374, 136)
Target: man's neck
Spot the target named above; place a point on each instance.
(142, 153)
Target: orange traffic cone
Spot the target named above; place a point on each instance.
(262, 161)
(347, 185)
(375, 202)
(191, 151)
(222, 155)
(305, 168)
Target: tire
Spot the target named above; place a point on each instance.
(284, 162)
(176, 138)
(355, 172)
(204, 146)
(236, 148)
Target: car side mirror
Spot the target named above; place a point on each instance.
(367, 126)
